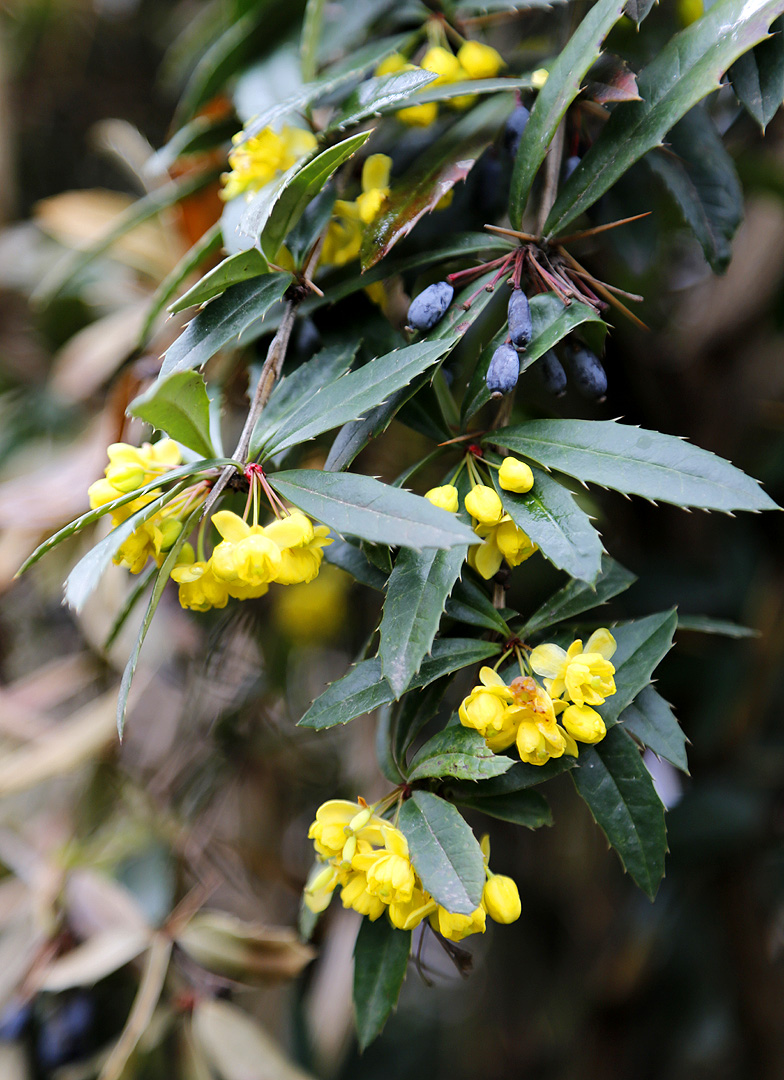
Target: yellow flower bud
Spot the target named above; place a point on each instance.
(171, 528)
(515, 475)
(584, 723)
(125, 476)
(419, 115)
(444, 497)
(443, 62)
(483, 503)
(479, 61)
(501, 900)
(539, 78)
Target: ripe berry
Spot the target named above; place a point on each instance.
(587, 374)
(552, 374)
(519, 316)
(430, 306)
(504, 370)
(514, 128)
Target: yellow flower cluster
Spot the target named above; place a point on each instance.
(343, 240)
(368, 859)
(259, 159)
(129, 468)
(250, 558)
(525, 712)
(473, 61)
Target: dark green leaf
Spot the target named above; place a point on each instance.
(705, 624)
(650, 719)
(416, 593)
(201, 250)
(279, 205)
(380, 960)
(481, 7)
(469, 603)
(417, 708)
(365, 688)
(354, 436)
(178, 405)
(562, 87)
(351, 559)
(577, 596)
(636, 461)
(642, 645)
(460, 753)
(758, 76)
(361, 506)
(549, 515)
(620, 794)
(681, 74)
(238, 267)
(700, 175)
(636, 10)
(520, 777)
(444, 164)
(527, 808)
(311, 225)
(221, 322)
(385, 738)
(444, 852)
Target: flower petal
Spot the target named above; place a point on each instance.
(230, 526)
(547, 660)
(601, 641)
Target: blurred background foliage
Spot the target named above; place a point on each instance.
(194, 831)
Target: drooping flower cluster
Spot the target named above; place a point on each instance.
(524, 712)
(368, 859)
(261, 158)
(473, 61)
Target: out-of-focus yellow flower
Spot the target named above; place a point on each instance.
(375, 187)
(316, 611)
(343, 239)
(442, 63)
(586, 676)
(539, 78)
(258, 160)
(515, 475)
(413, 115)
(479, 61)
(456, 927)
(199, 589)
(689, 11)
(501, 899)
(444, 497)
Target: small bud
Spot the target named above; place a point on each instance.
(504, 370)
(584, 723)
(479, 61)
(360, 820)
(588, 375)
(125, 476)
(483, 503)
(519, 316)
(171, 528)
(501, 899)
(444, 497)
(515, 475)
(552, 374)
(430, 306)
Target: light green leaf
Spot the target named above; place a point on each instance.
(460, 753)
(686, 70)
(524, 807)
(642, 645)
(365, 688)
(562, 87)
(578, 596)
(380, 95)
(652, 722)
(620, 794)
(380, 961)
(636, 461)
(221, 322)
(178, 405)
(636, 10)
(361, 506)
(444, 852)
(238, 267)
(191, 260)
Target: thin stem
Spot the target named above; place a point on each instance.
(552, 171)
(585, 233)
(527, 237)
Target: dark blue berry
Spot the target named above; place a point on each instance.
(430, 306)
(587, 374)
(504, 370)
(552, 374)
(519, 316)
(570, 165)
(514, 128)
(13, 1020)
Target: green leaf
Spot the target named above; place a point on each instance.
(380, 95)
(527, 808)
(700, 175)
(417, 708)
(447, 161)
(520, 777)
(160, 584)
(620, 794)
(651, 720)
(642, 645)
(758, 76)
(469, 603)
(354, 436)
(549, 515)
(361, 506)
(705, 624)
(636, 461)
(178, 405)
(444, 852)
(201, 250)
(385, 734)
(365, 688)
(279, 205)
(636, 10)
(577, 596)
(460, 753)
(562, 87)
(321, 370)
(416, 593)
(191, 469)
(688, 68)
(551, 322)
(238, 267)
(353, 561)
(380, 960)
(221, 322)
(309, 42)
(351, 396)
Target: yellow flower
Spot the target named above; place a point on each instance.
(300, 547)
(393, 64)
(407, 916)
(199, 590)
(287, 551)
(343, 239)
(337, 820)
(483, 503)
(375, 187)
(316, 611)
(502, 541)
(479, 61)
(443, 63)
(515, 475)
(584, 723)
(354, 894)
(320, 887)
(388, 871)
(487, 706)
(585, 676)
(414, 115)
(444, 497)
(539, 78)
(258, 160)
(537, 747)
(456, 927)
(501, 899)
